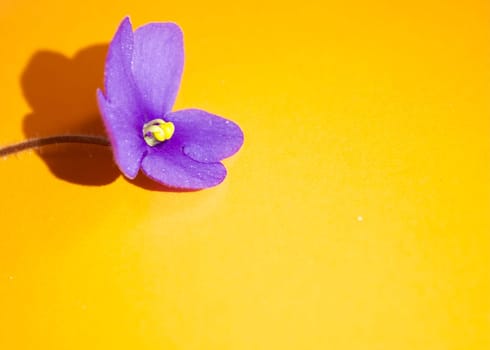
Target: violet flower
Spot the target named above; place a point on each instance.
(181, 149)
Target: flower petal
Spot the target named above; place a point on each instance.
(120, 88)
(158, 61)
(128, 146)
(205, 137)
(169, 166)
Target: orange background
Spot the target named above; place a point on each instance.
(356, 216)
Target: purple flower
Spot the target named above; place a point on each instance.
(181, 149)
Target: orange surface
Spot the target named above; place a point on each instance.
(356, 216)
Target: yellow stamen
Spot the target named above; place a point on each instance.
(157, 131)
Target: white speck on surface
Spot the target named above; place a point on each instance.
(360, 218)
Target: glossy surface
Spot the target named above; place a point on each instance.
(355, 217)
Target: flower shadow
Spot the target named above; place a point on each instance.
(148, 184)
(61, 94)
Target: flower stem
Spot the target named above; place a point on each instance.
(53, 140)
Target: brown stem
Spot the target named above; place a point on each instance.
(53, 140)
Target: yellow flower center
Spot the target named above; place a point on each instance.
(157, 130)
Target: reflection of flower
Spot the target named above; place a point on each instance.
(180, 149)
